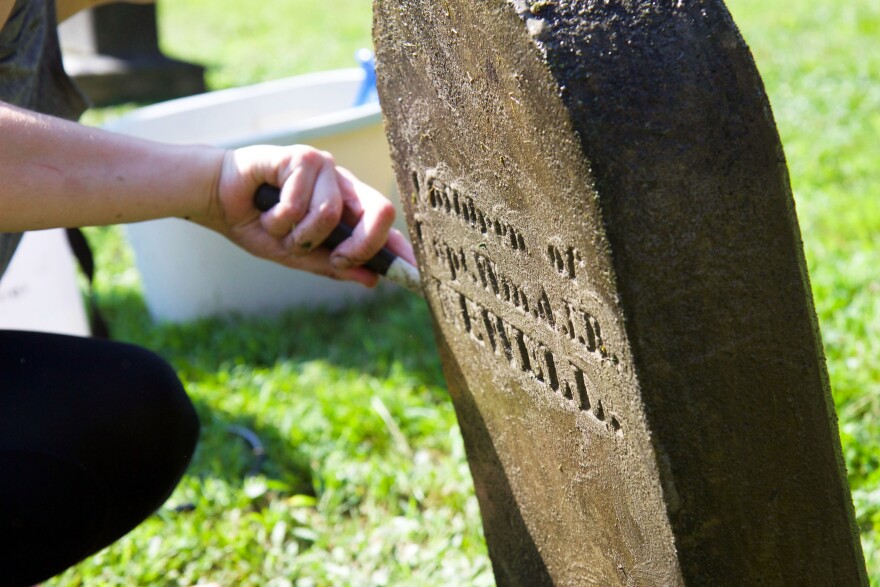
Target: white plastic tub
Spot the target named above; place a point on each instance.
(189, 272)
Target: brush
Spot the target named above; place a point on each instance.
(384, 263)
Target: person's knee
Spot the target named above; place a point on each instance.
(153, 411)
(163, 404)
(150, 429)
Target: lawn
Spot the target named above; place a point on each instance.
(365, 480)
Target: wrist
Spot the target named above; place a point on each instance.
(205, 206)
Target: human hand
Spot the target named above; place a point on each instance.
(315, 196)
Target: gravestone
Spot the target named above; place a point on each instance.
(113, 54)
(602, 213)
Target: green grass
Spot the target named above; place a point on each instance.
(366, 482)
(244, 43)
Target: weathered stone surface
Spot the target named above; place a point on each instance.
(603, 217)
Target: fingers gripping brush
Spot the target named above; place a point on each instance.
(384, 262)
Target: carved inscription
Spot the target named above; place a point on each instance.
(522, 352)
(565, 261)
(567, 339)
(445, 199)
(566, 317)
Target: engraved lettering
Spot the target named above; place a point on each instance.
(463, 309)
(454, 262)
(544, 310)
(503, 339)
(475, 322)
(565, 261)
(414, 176)
(580, 396)
(577, 324)
(550, 363)
(481, 218)
(535, 353)
(599, 412)
(522, 352)
(454, 307)
(556, 258)
(432, 195)
(490, 328)
(584, 328)
(486, 270)
(445, 199)
(520, 338)
(502, 286)
(579, 393)
(540, 355)
(497, 333)
(615, 424)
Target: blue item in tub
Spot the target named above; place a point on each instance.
(367, 92)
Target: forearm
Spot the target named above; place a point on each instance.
(55, 173)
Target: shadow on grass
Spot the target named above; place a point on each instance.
(390, 334)
(233, 448)
(393, 331)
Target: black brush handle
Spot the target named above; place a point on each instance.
(267, 196)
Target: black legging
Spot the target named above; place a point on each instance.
(94, 436)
